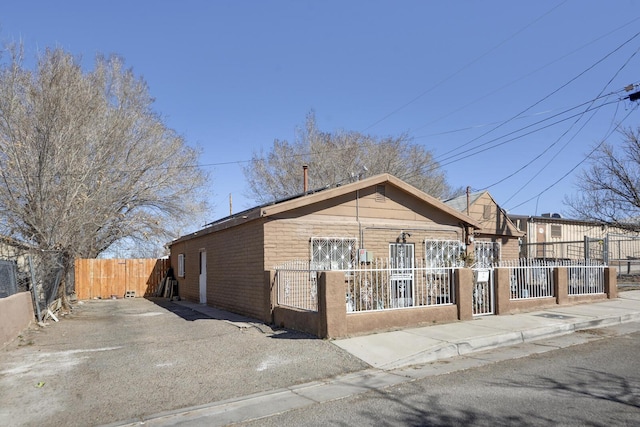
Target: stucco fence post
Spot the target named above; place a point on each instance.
(502, 286)
(561, 285)
(332, 306)
(270, 295)
(464, 293)
(16, 314)
(610, 282)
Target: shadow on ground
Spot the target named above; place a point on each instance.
(180, 310)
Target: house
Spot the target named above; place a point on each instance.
(498, 237)
(227, 263)
(371, 255)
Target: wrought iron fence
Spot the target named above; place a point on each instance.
(586, 278)
(297, 285)
(372, 286)
(377, 286)
(483, 291)
(530, 278)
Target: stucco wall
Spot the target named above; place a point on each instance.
(16, 314)
(234, 268)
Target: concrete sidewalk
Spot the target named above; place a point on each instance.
(402, 356)
(391, 350)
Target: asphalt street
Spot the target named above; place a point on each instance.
(592, 384)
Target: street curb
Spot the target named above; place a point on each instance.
(506, 339)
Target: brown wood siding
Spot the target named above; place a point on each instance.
(104, 278)
(491, 218)
(289, 239)
(287, 235)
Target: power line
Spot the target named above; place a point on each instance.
(464, 67)
(622, 67)
(546, 96)
(466, 155)
(578, 164)
(529, 74)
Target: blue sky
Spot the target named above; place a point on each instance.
(502, 92)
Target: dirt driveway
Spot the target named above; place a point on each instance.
(114, 360)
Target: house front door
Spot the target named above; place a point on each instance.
(401, 259)
(203, 277)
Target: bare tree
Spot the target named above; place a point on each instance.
(609, 190)
(85, 162)
(335, 158)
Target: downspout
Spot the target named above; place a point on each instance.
(360, 235)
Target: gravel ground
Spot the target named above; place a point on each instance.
(115, 360)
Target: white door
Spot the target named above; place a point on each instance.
(402, 267)
(203, 277)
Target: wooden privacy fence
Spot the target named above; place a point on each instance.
(106, 278)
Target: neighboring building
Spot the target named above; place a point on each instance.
(498, 237)
(550, 236)
(225, 264)
(14, 268)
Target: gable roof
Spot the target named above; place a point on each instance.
(306, 199)
(459, 203)
(488, 226)
(364, 183)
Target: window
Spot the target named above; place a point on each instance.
(333, 253)
(180, 265)
(443, 253)
(556, 231)
(486, 253)
(380, 193)
(486, 212)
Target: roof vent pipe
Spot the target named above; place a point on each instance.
(305, 170)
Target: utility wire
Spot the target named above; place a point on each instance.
(468, 154)
(546, 96)
(436, 165)
(579, 163)
(464, 67)
(622, 67)
(529, 74)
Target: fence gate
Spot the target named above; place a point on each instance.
(483, 291)
(596, 249)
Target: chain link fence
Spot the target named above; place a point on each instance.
(23, 268)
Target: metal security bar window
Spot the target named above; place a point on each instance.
(486, 253)
(443, 253)
(333, 253)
